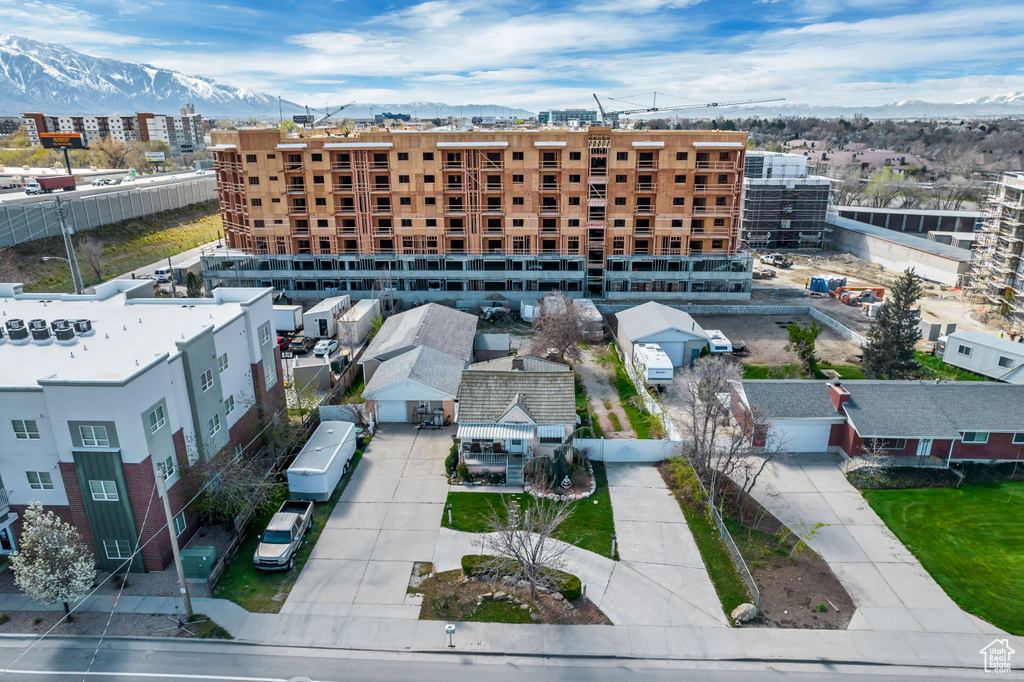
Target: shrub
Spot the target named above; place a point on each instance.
(450, 463)
(580, 478)
(495, 478)
(472, 562)
(463, 471)
(569, 585)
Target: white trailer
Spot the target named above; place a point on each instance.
(324, 459)
(356, 322)
(288, 318)
(321, 321)
(654, 364)
(718, 343)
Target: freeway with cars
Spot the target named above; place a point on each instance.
(18, 196)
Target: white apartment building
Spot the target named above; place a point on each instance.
(98, 390)
(182, 133)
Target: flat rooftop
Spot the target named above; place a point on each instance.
(131, 330)
(902, 238)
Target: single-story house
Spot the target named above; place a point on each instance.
(984, 354)
(491, 346)
(511, 409)
(958, 421)
(439, 327)
(418, 386)
(675, 331)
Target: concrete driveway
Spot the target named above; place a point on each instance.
(891, 589)
(388, 517)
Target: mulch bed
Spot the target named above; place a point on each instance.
(94, 622)
(798, 589)
(449, 596)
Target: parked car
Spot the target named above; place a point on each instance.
(325, 347)
(778, 260)
(281, 540)
(101, 182)
(301, 345)
(283, 342)
(763, 273)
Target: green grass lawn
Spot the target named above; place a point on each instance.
(935, 368)
(792, 369)
(117, 248)
(970, 539)
(590, 527)
(260, 592)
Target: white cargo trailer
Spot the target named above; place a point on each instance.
(654, 364)
(288, 318)
(324, 459)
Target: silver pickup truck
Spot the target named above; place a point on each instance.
(284, 534)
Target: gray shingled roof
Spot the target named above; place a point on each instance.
(423, 365)
(545, 390)
(899, 409)
(652, 317)
(437, 326)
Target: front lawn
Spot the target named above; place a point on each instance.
(590, 527)
(934, 368)
(261, 592)
(794, 370)
(970, 539)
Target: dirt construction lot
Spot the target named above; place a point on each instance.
(766, 338)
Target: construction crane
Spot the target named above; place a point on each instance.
(709, 105)
(326, 117)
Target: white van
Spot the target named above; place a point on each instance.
(162, 274)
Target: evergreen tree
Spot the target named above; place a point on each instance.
(889, 353)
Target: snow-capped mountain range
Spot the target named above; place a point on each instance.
(38, 76)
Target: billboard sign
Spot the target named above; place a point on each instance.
(61, 140)
(154, 157)
(303, 120)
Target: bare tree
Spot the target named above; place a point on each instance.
(559, 329)
(230, 484)
(91, 251)
(717, 446)
(9, 271)
(522, 543)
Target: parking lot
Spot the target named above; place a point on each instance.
(766, 338)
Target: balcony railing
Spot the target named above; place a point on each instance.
(344, 188)
(643, 210)
(716, 165)
(341, 165)
(292, 166)
(551, 165)
(716, 188)
(492, 188)
(550, 187)
(296, 189)
(647, 165)
(646, 187)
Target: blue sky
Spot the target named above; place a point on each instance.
(538, 55)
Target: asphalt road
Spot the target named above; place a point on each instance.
(20, 197)
(125, 659)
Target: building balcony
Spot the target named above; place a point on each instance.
(717, 165)
(492, 188)
(296, 189)
(344, 189)
(493, 209)
(549, 210)
(714, 211)
(647, 165)
(550, 165)
(701, 190)
(232, 166)
(344, 210)
(341, 165)
(293, 167)
(298, 213)
(381, 210)
(643, 210)
(454, 187)
(646, 187)
(597, 178)
(550, 187)
(453, 165)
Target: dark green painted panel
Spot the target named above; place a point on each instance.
(109, 520)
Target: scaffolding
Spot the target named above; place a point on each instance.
(786, 213)
(996, 275)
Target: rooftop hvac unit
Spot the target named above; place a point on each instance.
(40, 332)
(57, 324)
(17, 331)
(3, 336)
(84, 328)
(64, 332)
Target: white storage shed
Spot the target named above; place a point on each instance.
(321, 321)
(324, 459)
(356, 322)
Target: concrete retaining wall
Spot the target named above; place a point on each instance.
(628, 450)
(26, 222)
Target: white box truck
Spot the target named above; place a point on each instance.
(654, 364)
(288, 318)
(324, 459)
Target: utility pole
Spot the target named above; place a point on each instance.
(67, 161)
(161, 485)
(76, 274)
(170, 272)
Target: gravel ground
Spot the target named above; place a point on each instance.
(766, 338)
(91, 623)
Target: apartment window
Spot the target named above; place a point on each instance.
(272, 178)
(222, 363)
(169, 467)
(206, 380)
(94, 436)
(316, 157)
(406, 222)
(25, 429)
(517, 222)
(574, 201)
(677, 223)
(1018, 439)
(575, 156)
(117, 549)
(1005, 362)
(39, 480)
(250, 158)
(716, 244)
(254, 181)
(258, 222)
(238, 451)
(213, 424)
(320, 201)
(574, 178)
(255, 202)
(103, 491)
(517, 179)
(428, 156)
(679, 201)
(964, 350)
(405, 201)
(977, 437)
(620, 201)
(264, 332)
(517, 156)
(517, 201)
(403, 156)
(888, 443)
(723, 156)
(723, 179)
(719, 222)
(573, 222)
(270, 373)
(156, 419)
(429, 201)
(619, 222)
(622, 156)
(682, 156)
(403, 179)
(428, 179)
(229, 404)
(275, 200)
(680, 179)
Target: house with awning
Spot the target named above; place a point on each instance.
(512, 409)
